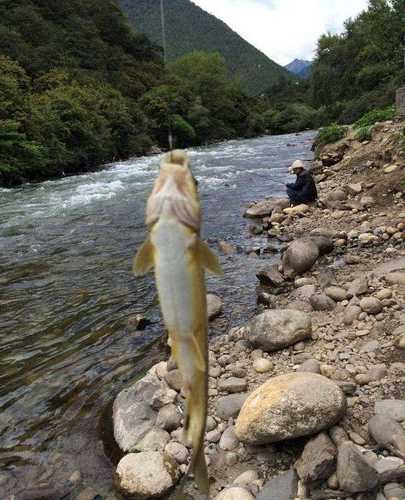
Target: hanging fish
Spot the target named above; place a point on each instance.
(179, 257)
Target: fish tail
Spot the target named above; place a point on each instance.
(195, 428)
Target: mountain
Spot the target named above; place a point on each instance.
(189, 28)
(299, 67)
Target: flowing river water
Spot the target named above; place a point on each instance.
(68, 343)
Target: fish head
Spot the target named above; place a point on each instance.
(175, 192)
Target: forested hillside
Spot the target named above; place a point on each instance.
(190, 28)
(361, 69)
(71, 74)
(79, 88)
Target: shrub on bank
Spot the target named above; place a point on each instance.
(374, 116)
(330, 134)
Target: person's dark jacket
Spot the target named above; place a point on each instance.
(303, 190)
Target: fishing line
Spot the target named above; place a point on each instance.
(164, 44)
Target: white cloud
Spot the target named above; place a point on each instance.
(284, 29)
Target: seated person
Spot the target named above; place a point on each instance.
(304, 189)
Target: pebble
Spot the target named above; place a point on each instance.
(310, 366)
(371, 305)
(232, 385)
(229, 441)
(262, 365)
(177, 451)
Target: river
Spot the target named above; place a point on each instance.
(68, 299)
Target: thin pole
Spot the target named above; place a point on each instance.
(163, 21)
(162, 17)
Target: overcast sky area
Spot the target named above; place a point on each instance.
(284, 29)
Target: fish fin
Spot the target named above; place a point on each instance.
(208, 259)
(143, 260)
(200, 471)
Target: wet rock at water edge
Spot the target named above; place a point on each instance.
(229, 406)
(300, 256)
(265, 207)
(290, 406)
(146, 475)
(282, 487)
(214, 306)
(317, 460)
(235, 493)
(353, 471)
(276, 329)
(270, 276)
(133, 416)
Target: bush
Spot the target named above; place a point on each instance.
(374, 116)
(363, 134)
(328, 135)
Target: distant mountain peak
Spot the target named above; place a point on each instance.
(189, 28)
(299, 67)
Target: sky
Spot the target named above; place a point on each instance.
(284, 29)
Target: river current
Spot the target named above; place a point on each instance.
(68, 300)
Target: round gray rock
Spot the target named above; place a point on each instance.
(300, 256)
(290, 406)
(214, 306)
(371, 305)
(146, 475)
(276, 329)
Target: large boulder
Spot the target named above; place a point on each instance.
(133, 414)
(141, 476)
(290, 406)
(264, 208)
(279, 328)
(300, 256)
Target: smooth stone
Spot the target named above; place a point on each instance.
(174, 379)
(371, 305)
(232, 385)
(276, 329)
(155, 440)
(177, 451)
(146, 475)
(357, 287)
(336, 293)
(214, 306)
(229, 406)
(351, 314)
(229, 441)
(321, 302)
(300, 256)
(262, 365)
(290, 406)
(353, 471)
(169, 418)
(133, 417)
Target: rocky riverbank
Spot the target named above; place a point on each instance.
(307, 399)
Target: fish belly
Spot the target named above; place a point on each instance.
(175, 278)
